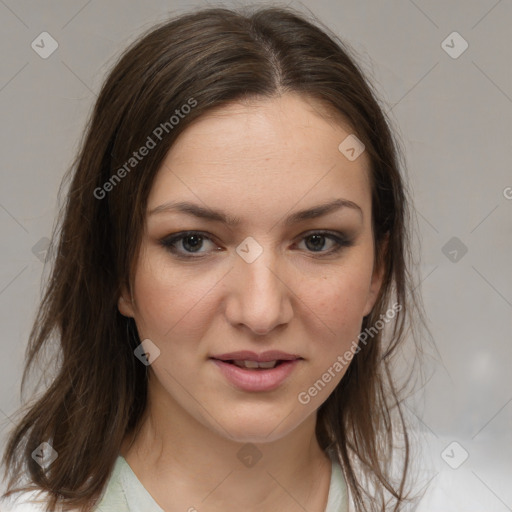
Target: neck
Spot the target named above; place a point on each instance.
(181, 463)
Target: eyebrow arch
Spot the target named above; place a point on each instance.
(219, 216)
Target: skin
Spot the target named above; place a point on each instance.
(260, 161)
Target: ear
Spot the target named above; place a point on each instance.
(377, 276)
(125, 303)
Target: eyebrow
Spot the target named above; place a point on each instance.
(220, 216)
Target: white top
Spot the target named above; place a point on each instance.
(125, 493)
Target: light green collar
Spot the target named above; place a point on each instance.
(125, 492)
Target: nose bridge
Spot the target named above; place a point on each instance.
(260, 297)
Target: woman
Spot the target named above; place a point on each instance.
(231, 284)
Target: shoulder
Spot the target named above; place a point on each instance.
(23, 502)
(112, 500)
(337, 500)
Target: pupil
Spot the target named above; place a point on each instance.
(195, 244)
(319, 240)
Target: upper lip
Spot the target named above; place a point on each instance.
(247, 355)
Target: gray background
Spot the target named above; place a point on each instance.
(453, 116)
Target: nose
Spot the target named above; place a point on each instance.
(259, 297)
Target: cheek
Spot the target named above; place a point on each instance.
(335, 304)
(339, 298)
(170, 300)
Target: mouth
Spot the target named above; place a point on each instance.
(254, 361)
(256, 372)
(253, 365)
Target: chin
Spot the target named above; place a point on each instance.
(255, 437)
(257, 429)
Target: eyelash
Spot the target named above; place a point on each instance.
(169, 243)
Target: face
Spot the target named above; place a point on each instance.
(257, 277)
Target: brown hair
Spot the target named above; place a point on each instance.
(204, 59)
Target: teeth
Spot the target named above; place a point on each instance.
(255, 364)
(268, 364)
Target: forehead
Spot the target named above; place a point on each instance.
(283, 150)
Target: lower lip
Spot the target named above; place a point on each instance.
(256, 380)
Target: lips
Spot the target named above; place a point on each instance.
(250, 371)
(247, 355)
(250, 380)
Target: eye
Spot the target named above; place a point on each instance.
(190, 241)
(187, 243)
(316, 241)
